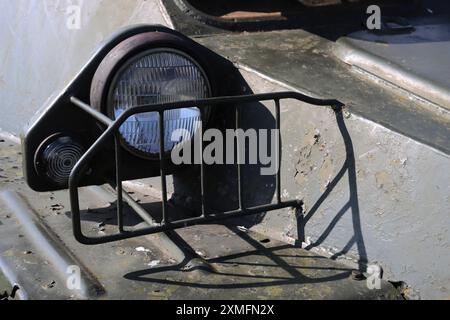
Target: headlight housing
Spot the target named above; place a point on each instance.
(157, 76)
(163, 66)
(151, 68)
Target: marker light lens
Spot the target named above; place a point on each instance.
(58, 158)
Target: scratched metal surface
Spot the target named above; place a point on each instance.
(240, 264)
(306, 62)
(381, 165)
(397, 149)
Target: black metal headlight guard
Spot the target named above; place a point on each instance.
(112, 132)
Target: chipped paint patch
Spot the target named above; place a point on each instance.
(142, 249)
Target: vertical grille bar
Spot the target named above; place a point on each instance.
(202, 163)
(239, 165)
(119, 185)
(279, 149)
(163, 169)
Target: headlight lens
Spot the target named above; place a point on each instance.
(157, 76)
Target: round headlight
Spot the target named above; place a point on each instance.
(155, 76)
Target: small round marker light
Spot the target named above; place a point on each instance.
(56, 158)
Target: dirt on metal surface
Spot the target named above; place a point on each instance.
(416, 61)
(305, 61)
(230, 262)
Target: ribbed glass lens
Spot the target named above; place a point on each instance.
(158, 76)
(59, 158)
